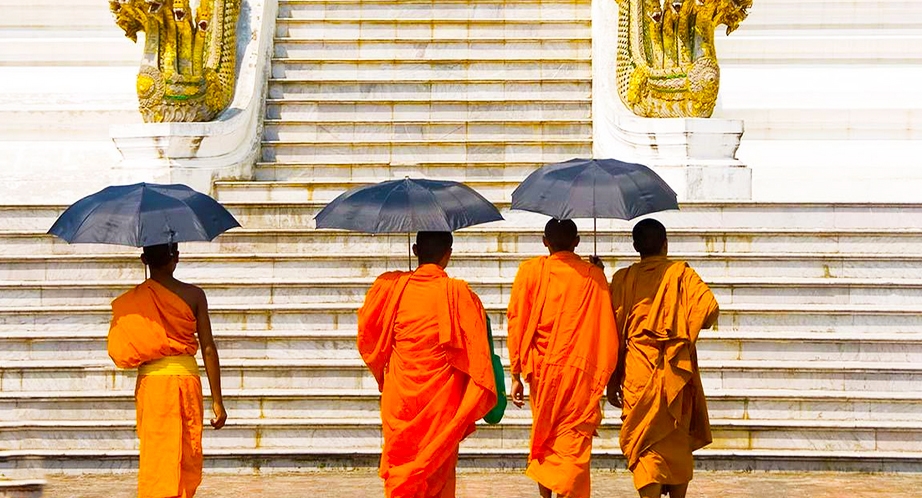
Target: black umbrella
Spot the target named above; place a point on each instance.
(594, 188)
(143, 214)
(406, 206)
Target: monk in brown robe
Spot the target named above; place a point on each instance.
(661, 305)
(563, 341)
(423, 336)
(154, 328)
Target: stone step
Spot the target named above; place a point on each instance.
(427, 110)
(715, 346)
(416, 89)
(767, 318)
(477, 10)
(470, 69)
(293, 204)
(496, 238)
(258, 290)
(758, 46)
(305, 434)
(422, 28)
(757, 377)
(527, 148)
(103, 51)
(83, 462)
(770, 14)
(126, 267)
(310, 49)
(260, 202)
(275, 404)
(461, 131)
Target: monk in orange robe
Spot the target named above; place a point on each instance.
(154, 328)
(661, 305)
(563, 340)
(424, 338)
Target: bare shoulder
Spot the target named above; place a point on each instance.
(193, 295)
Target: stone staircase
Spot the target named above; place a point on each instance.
(813, 365)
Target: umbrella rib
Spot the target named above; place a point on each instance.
(439, 206)
(638, 189)
(83, 219)
(195, 219)
(384, 203)
(140, 202)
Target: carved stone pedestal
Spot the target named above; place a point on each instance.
(697, 157)
(197, 154)
(194, 154)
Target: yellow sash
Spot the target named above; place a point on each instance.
(170, 365)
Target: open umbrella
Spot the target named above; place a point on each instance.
(143, 214)
(406, 206)
(594, 188)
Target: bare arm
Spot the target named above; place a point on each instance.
(212, 364)
(615, 383)
(518, 391)
(516, 321)
(711, 319)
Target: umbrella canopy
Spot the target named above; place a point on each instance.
(408, 205)
(594, 188)
(143, 214)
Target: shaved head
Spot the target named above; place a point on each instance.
(432, 247)
(160, 255)
(561, 235)
(649, 237)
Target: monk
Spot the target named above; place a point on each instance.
(154, 328)
(423, 335)
(661, 305)
(563, 341)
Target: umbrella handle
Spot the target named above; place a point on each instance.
(409, 254)
(595, 238)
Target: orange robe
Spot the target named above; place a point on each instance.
(563, 340)
(662, 305)
(153, 329)
(424, 338)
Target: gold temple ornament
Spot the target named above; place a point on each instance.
(188, 69)
(667, 63)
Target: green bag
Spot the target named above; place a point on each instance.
(496, 414)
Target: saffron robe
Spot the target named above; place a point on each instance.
(662, 305)
(423, 336)
(154, 330)
(563, 341)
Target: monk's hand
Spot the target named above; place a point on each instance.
(220, 415)
(616, 398)
(597, 261)
(517, 393)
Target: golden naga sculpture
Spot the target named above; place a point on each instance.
(188, 69)
(667, 64)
